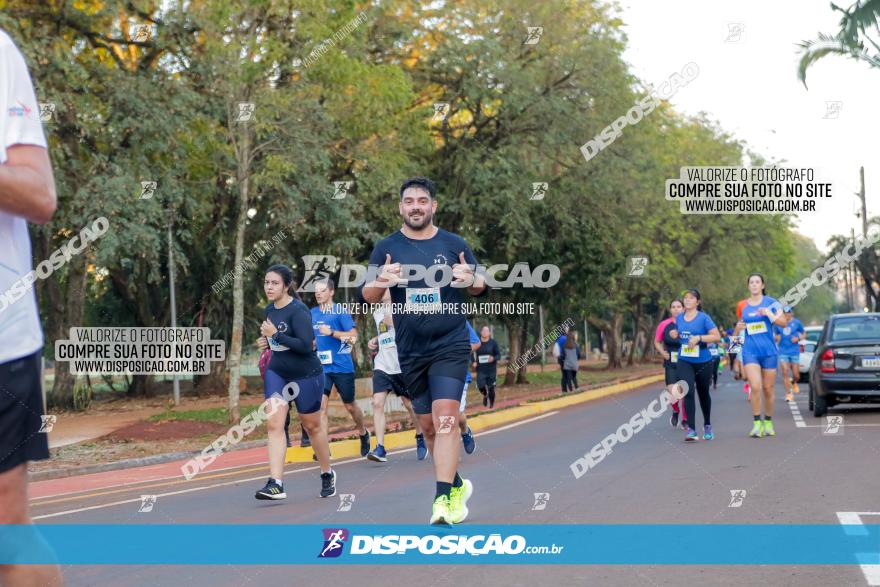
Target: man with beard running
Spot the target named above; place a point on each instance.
(427, 268)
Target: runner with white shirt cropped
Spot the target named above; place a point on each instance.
(387, 377)
(27, 194)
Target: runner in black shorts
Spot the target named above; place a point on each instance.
(27, 194)
(387, 377)
(294, 375)
(431, 337)
(486, 364)
(668, 346)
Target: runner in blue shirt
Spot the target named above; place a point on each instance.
(695, 330)
(335, 335)
(759, 354)
(788, 339)
(432, 336)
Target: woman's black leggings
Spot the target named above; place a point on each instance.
(569, 379)
(698, 377)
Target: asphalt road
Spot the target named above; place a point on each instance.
(803, 475)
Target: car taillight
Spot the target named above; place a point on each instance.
(828, 361)
(801, 346)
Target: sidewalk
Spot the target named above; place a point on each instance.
(342, 447)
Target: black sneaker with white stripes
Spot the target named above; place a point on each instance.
(328, 484)
(271, 491)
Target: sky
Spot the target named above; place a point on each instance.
(749, 85)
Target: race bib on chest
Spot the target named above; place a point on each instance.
(326, 357)
(756, 327)
(386, 340)
(786, 330)
(693, 352)
(673, 357)
(713, 352)
(423, 299)
(482, 359)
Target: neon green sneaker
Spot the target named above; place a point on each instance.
(440, 514)
(458, 501)
(768, 428)
(757, 429)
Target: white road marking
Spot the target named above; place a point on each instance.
(796, 414)
(854, 526)
(263, 476)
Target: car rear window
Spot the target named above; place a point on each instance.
(855, 328)
(813, 335)
(809, 347)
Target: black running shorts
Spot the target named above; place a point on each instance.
(21, 413)
(434, 377)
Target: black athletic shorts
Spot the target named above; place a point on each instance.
(383, 381)
(21, 413)
(671, 372)
(485, 380)
(344, 385)
(438, 376)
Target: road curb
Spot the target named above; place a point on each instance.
(350, 448)
(394, 440)
(128, 463)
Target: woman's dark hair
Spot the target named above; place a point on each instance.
(286, 274)
(763, 281)
(696, 293)
(569, 342)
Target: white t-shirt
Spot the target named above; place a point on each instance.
(20, 331)
(386, 359)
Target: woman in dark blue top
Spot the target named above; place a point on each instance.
(694, 330)
(294, 375)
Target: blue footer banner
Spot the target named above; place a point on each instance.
(523, 544)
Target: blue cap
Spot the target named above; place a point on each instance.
(786, 309)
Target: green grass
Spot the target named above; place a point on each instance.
(215, 415)
(592, 374)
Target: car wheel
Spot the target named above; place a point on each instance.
(820, 406)
(803, 378)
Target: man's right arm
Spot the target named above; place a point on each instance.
(373, 291)
(27, 187)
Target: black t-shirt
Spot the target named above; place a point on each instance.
(418, 332)
(488, 348)
(672, 345)
(292, 354)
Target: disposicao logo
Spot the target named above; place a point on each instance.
(334, 540)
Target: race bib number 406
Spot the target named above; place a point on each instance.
(423, 299)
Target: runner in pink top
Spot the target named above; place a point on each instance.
(667, 346)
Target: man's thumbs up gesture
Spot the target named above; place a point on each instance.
(462, 273)
(390, 275)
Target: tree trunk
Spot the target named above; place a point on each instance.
(213, 382)
(234, 359)
(635, 342)
(513, 338)
(77, 279)
(613, 336)
(522, 372)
